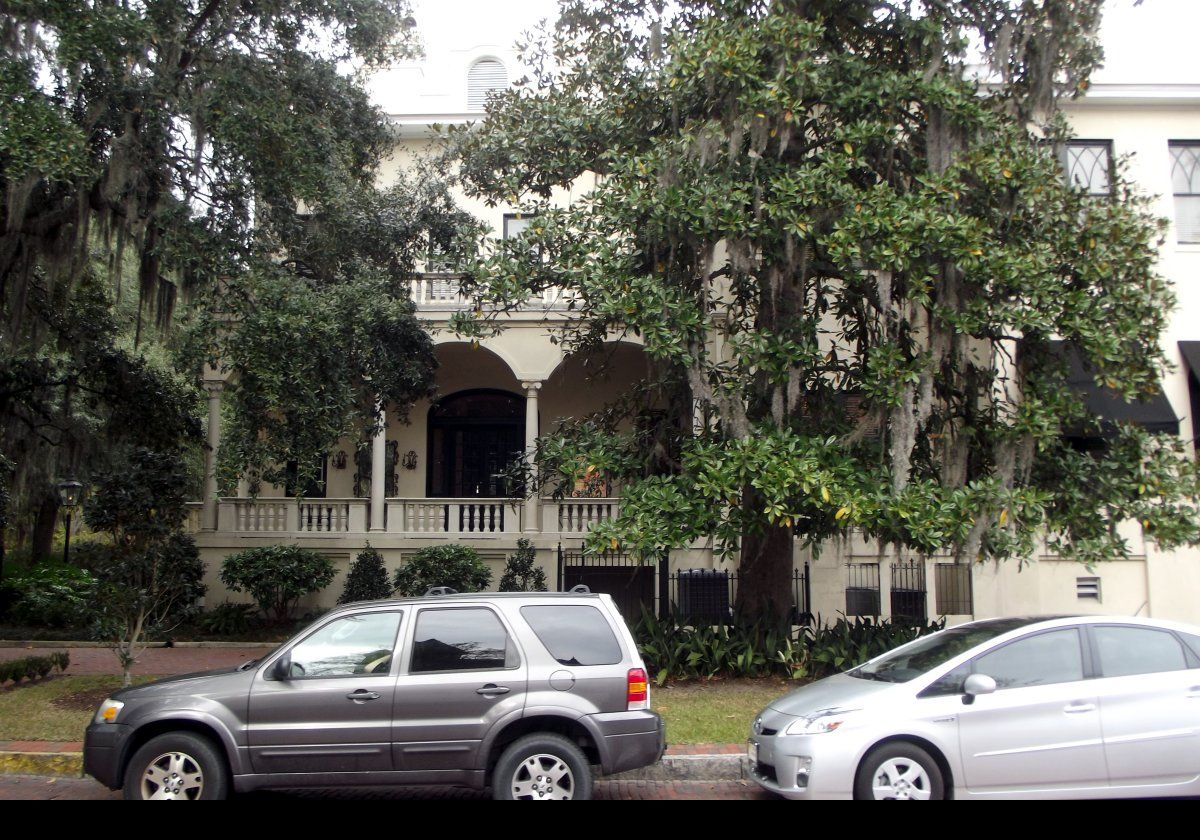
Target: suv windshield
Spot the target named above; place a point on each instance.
(916, 658)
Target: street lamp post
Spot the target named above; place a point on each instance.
(68, 496)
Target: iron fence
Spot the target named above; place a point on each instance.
(908, 591)
(707, 596)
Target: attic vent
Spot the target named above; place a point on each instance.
(1088, 587)
(485, 76)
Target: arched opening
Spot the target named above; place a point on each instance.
(486, 76)
(475, 436)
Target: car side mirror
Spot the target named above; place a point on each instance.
(282, 669)
(975, 685)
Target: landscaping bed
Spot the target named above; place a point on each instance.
(53, 709)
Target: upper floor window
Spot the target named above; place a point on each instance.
(1185, 184)
(485, 76)
(1088, 166)
(516, 223)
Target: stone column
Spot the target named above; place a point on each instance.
(209, 512)
(379, 472)
(533, 506)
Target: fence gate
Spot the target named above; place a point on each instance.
(630, 582)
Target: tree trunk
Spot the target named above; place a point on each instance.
(44, 524)
(764, 592)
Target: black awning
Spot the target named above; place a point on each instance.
(1153, 413)
(1190, 350)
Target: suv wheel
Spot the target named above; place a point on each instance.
(178, 765)
(543, 766)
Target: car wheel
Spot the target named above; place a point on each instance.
(899, 771)
(178, 765)
(542, 767)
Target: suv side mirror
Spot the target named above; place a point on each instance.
(975, 685)
(281, 670)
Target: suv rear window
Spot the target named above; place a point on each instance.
(574, 634)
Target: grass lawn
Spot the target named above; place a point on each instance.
(714, 711)
(701, 712)
(54, 709)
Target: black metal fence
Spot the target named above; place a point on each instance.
(862, 589)
(908, 591)
(691, 596)
(955, 592)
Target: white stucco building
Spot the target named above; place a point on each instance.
(436, 480)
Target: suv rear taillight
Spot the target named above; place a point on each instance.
(637, 694)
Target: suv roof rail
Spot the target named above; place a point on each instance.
(581, 589)
(439, 590)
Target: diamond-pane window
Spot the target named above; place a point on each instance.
(1088, 166)
(1185, 184)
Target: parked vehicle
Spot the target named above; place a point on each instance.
(1065, 707)
(523, 692)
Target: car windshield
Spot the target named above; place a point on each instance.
(918, 657)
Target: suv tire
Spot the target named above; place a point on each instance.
(177, 765)
(542, 766)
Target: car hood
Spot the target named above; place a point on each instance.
(200, 683)
(837, 692)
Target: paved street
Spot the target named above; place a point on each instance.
(47, 788)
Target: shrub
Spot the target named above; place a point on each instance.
(277, 576)
(54, 596)
(521, 574)
(456, 566)
(226, 620)
(33, 667)
(367, 579)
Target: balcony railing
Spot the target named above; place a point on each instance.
(441, 290)
(415, 517)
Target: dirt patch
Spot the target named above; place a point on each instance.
(82, 701)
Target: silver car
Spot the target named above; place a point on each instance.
(1066, 707)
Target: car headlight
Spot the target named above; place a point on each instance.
(109, 711)
(827, 720)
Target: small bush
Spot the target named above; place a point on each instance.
(54, 596)
(33, 667)
(521, 574)
(277, 576)
(367, 579)
(226, 620)
(456, 566)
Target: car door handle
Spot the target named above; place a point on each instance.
(492, 690)
(1079, 708)
(1194, 691)
(362, 696)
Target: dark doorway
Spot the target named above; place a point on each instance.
(474, 438)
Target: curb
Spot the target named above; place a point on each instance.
(41, 764)
(673, 768)
(42, 643)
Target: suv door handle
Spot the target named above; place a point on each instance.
(362, 696)
(493, 690)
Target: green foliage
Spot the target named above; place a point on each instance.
(34, 667)
(226, 619)
(675, 651)
(521, 572)
(367, 579)
(146, 591)
(54, 596)
(851, 259)
(456, 566)
(140, 500)
(277, 576)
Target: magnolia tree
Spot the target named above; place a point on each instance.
(841, 231)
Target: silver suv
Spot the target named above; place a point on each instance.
(521, 692)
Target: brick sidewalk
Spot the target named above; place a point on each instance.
(155, 661)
